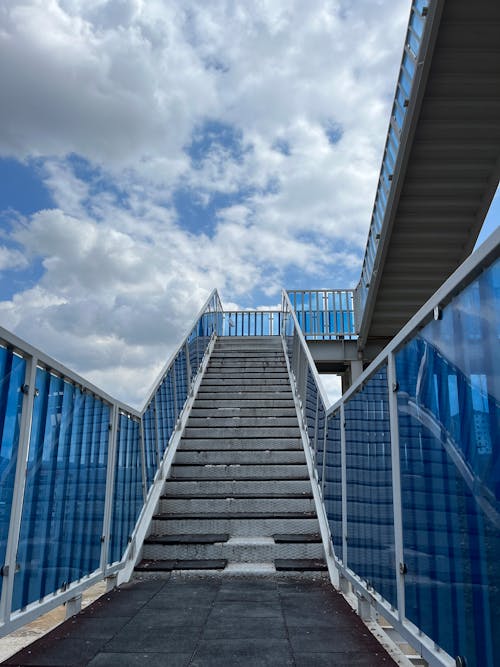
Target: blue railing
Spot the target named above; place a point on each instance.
(77, 468)
(398, 124)
(249, 323)
(324, 314)
(408, 468)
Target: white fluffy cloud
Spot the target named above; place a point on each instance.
(125, 86)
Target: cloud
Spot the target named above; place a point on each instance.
(266, 120)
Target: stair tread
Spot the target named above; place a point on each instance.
(148, 565)
(192, 538)
(299, 564)
(236, 515)
(237, 496)
(293, 538)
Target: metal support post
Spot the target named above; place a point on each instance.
(10, 566)
(396, 486)
(343, 463)
(73, 606)
(110, 482)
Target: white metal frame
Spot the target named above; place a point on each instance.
(116, 572)
(301, 358)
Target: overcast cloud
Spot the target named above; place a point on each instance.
(184, 146)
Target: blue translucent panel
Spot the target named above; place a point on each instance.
(12, 376)
(370, 516)
(405, 82)
(413, 42)
(332, 492)
(320, 440)
(417, 23)
(63, 508)
(128, 497)
(449, 424)
(150, 445)
(181, 384)
(165, 413)
(310, 400)
(409, 65)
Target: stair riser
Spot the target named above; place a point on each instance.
(243, 376)
(235, 527)
(260, 457)
(204, 444)
(250, 393)
(205, 403)
(242, 422)
(240, 471)
(192, 489)
(234, 412)
(207, 507)
(243, 432)
(260, 384)
(261, 553)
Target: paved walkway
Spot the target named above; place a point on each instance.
(212, 622)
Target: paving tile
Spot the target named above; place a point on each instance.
(247, 609)
(221, 627)
(352, 659)
(65, 652)
(159, 638)
(172, 616)
(140, 659)
(94, 628)
(243, 653)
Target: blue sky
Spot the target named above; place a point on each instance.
(150, 151)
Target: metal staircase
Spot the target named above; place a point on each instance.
(239, 496)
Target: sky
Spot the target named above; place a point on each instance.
(153, 150)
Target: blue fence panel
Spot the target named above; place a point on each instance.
(332, 492)
(63, 507)
(449, 422)
(12, 376)
(165, 412)
(150, 446)
(370, 516)
(128, 495)
(181, 384)
(320, 440)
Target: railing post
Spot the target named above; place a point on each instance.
(396, 485)
(10, 566)
(110, 481)
(343, 463)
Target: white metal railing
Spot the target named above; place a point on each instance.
(420, 422)
(250, 323)
(324, 314)
(80, 471)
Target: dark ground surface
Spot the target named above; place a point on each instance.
(212, 622)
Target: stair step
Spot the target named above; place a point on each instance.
(238, 381)
(235, 506)
(254, 392)
(205, 403)
(311, 538)
(262, 377)
(255, 488)
(241, 432)
(242, 422)
(299, 565)
(232, 457)
(230, 472)
(234, 412)
(240, 516)
(267, 526)
(236, 549)
(207, 538)
(252, 444)
(169, 565)
(234, 495)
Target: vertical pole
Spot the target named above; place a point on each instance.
(110, 481)
(396, 485)
(9, 568)
(343, 463)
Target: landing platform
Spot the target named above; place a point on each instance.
(199, 621)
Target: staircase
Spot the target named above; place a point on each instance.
(239, 497)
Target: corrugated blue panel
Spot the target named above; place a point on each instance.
(12, 376)
(63, 508)
(150, 446)
(128, 496)
(165, 411)
(449, 423)
(370, 516)
(332, 493)
(181, 385)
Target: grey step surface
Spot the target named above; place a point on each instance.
(201, 444)
(234, 456)
(234, 488)
(243, 506)
(242, 432)
(236, 527)
(239, 492)
(235, 550)
(235, 471)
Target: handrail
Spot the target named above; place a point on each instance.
(355, 444)
(77, 437)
